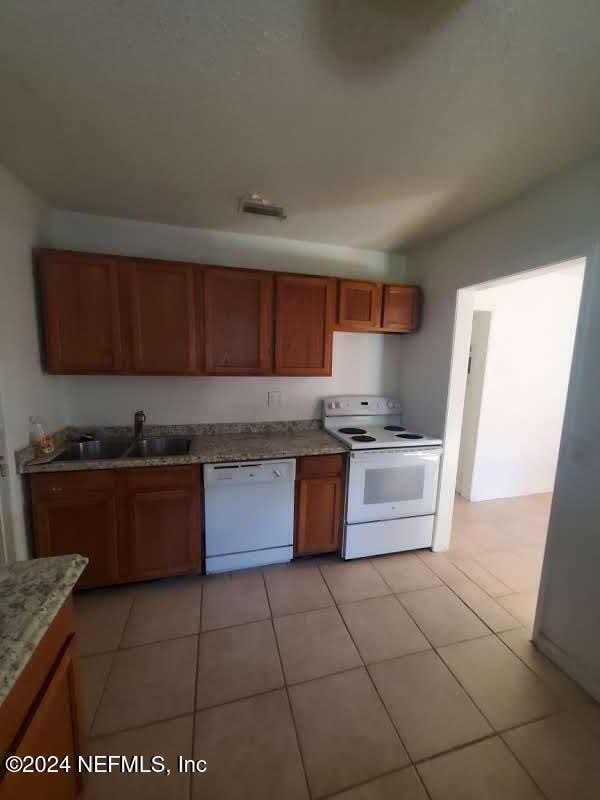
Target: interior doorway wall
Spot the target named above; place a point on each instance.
(515, 400)
(465, 306)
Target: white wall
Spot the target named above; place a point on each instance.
(554, 221)
(25, 389)
(527, 370)
(361, 362)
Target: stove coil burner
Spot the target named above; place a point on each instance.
(394, 428)
(409, 436)
(363, 438)
(352, 430)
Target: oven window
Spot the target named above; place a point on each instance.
(394, 484)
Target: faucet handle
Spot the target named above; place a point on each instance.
(140, 415)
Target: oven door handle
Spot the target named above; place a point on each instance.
(431, 453)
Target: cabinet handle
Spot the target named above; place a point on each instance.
(56, 488)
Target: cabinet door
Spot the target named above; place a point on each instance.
(304, 317)
(163, 317)
(159, 531)
(238, 319)
(359, 305)
(84, 523)
(52, 730)
(80, 298)
(401, 308)
(319, 515)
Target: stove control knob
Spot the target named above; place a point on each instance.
(390, 404)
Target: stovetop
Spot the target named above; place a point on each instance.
(366, 422)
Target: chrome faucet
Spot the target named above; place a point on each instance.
(138, 425)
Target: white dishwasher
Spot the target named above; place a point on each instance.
(248, 514)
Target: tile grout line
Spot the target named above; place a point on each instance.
(144, 725)
(337, 606)
(286, 688)
(366, 669)
(518, 760)
(108, 674)
(385, 774)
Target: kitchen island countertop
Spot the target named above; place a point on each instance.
(31, 595)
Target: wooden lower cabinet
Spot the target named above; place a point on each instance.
(319, 504)
(132, 524)
(77, 513)
(41, 717)
(159, 532)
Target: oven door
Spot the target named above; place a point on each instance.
(390, 484)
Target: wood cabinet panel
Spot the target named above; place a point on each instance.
(163, 327)
(83, 523)
(82, 315)
(115, 314)
(315, 466)
(359, 305)
(52, 730)
(238, 322)
(17, 705)
(318, 515)
(304, 317)
(160, 528)
(145, 523)
(57, 484)
(401, 308)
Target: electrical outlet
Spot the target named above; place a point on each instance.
(275, 399)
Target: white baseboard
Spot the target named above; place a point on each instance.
(567, 664)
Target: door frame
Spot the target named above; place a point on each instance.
(468, 448)
(7, 553)
(459, 362)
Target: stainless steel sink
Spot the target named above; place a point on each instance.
(160, 446)
(95, 450)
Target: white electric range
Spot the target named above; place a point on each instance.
(392, 481)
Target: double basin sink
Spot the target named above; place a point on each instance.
(99, 449)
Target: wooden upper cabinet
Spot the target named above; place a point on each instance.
(401, 308)
(163, 325)
(238, 321)
(80, 296)
(304, 319)
(116, 314)
(359, 305)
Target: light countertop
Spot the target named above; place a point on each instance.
(214, 447)
(31, 595)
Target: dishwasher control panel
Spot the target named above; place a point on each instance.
(247, 472)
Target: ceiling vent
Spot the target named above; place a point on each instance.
(255, 204)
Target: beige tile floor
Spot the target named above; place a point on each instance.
(402, 677)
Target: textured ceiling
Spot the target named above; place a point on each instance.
(377, 123)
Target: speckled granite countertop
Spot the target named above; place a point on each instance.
(31, 595)
(213, 445)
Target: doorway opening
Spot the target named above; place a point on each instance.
(512, 353)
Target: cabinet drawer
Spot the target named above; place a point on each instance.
(160, 477)
(64, 483)
(314, 466)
